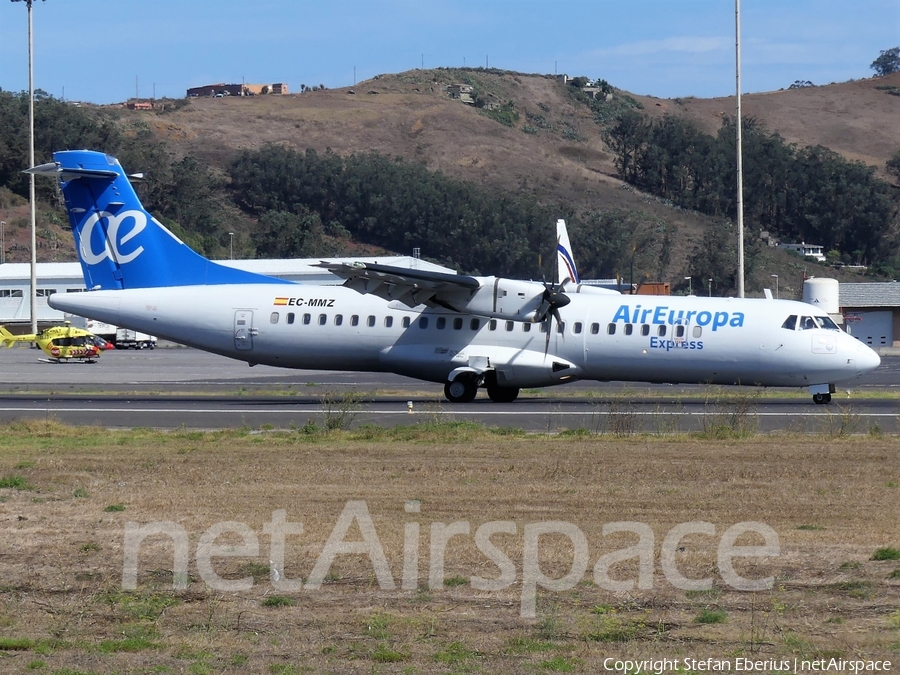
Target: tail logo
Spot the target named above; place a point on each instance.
(112, 242)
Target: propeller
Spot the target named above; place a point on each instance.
(553, 298)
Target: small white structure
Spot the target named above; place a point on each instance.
(806, 250)
(823, 293)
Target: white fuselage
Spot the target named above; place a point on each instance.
(654, 339)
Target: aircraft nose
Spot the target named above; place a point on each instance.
(867, 359)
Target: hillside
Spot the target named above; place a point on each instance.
(554, 149)
(857, 119)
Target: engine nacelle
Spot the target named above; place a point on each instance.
(506, 299)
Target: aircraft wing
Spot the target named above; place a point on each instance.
(411, 287)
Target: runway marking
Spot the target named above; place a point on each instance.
(509, 413)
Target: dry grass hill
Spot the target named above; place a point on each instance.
(554, 150)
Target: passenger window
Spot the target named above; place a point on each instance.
(388, 321)
(697, 331)
(457, 323)
(306, 319)
(492, 324)
(423, 322)
(354, 320)
(679, 331)
(475, 324)
(370, 321)
(510, 325)
(611, 329)
(441, 323)
(338, 319)
(645, 330)
(790, 323)
(274, 317)
(629, 329)
(595, 328)
(405, 322)
(526, 327)
(807, 323)
(661, 331)
(576, 327)
(323, 319)
(290, 317)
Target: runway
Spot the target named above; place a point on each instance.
(180, 387)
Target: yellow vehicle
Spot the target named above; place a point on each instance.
(61, 343)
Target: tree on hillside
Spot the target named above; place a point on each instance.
(893, 165)
(888, 62)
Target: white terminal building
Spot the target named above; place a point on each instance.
(67, 277)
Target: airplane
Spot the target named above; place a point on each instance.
(61, 343)
(463, 331)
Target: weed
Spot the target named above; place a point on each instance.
(386, 654)
(142, 605)
(339, 410)
(278, 601)
(895, 574)
(259, 571)
(453, 654)
(708, 616)
(522, 645)
(456, 581)
(850, 565)
(861, 590)
(21, 466)
(127, 644)
(810, 528)
(114, 508)
(15, 644)
(886, 553)
(80, 493)
(559, 664)
(15, 482)
(609, 628)
(90, 546)
(37, 664)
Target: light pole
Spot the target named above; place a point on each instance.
(775, 277)
(2, 241)
(690, 285)
(710, 288)
(231, 244)
(33, 296)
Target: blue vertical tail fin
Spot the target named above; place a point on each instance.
(565, 263)
(120, 245)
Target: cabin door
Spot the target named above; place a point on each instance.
(243, 329)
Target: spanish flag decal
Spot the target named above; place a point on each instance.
(281, 301)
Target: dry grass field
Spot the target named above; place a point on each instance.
(67, 494)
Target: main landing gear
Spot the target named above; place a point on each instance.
(465, 387)
(821, 399)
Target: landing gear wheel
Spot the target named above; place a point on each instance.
(500, 394)
(821, 399)
(461, 390)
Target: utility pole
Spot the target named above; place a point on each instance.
(740, 170)
(31, 199)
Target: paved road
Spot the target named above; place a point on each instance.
(183, 387)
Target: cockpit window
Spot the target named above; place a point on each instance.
(790, 323)
(807, 323)
(826, 323)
